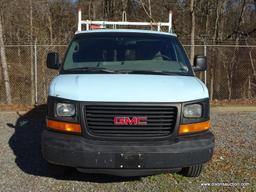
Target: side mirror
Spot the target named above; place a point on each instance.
(53, 60)
(200, 63)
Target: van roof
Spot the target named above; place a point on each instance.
(125, 31)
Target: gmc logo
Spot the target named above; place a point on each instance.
(130, 121)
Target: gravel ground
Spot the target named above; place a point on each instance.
(23, 169)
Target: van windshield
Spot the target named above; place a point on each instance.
(127, 53)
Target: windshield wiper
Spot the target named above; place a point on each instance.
(124, 71)
(91, 69)
(149, 72)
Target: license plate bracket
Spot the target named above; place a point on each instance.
(129, 160)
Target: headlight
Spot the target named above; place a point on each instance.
(65, 110)
(193, 111)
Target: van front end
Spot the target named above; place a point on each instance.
(127, 138)
(127, 102)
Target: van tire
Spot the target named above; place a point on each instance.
(192, 171)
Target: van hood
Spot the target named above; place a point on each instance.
(127, 88)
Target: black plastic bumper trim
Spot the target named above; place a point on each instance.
(76, 151)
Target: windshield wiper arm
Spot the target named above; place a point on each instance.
(148, 72)
(124, 71)
(92, 69)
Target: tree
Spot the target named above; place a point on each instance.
(231, 66)
(5, 66)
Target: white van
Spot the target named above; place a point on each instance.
(127, 102)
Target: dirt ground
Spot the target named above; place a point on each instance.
(233, 167)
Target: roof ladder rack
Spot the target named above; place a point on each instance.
(114, 24)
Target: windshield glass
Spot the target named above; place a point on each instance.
(126, 53)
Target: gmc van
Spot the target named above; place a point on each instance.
(127, 102)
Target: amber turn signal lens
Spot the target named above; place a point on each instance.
(64, 126)
(194, 127)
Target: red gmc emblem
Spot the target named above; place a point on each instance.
(130, 121)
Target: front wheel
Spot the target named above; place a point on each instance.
(192, 171)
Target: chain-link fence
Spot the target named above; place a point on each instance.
(28, 75)
(231, 71)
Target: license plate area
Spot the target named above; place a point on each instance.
(129, 160)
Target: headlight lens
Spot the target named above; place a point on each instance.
(65, 109)
(193, 111)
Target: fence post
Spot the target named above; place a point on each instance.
(204, 39)
(35, 73)
(32, 74)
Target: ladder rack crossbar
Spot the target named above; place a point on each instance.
(123, 23)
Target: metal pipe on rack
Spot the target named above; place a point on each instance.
(122, 23)
(170, 21)
(79, 20)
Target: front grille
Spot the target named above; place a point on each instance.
(161, 120)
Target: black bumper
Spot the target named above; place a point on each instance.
(120, 157)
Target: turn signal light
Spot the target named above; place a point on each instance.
(194, 127)
(64, 126)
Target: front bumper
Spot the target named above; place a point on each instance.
(119, 158)
(126, 154)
